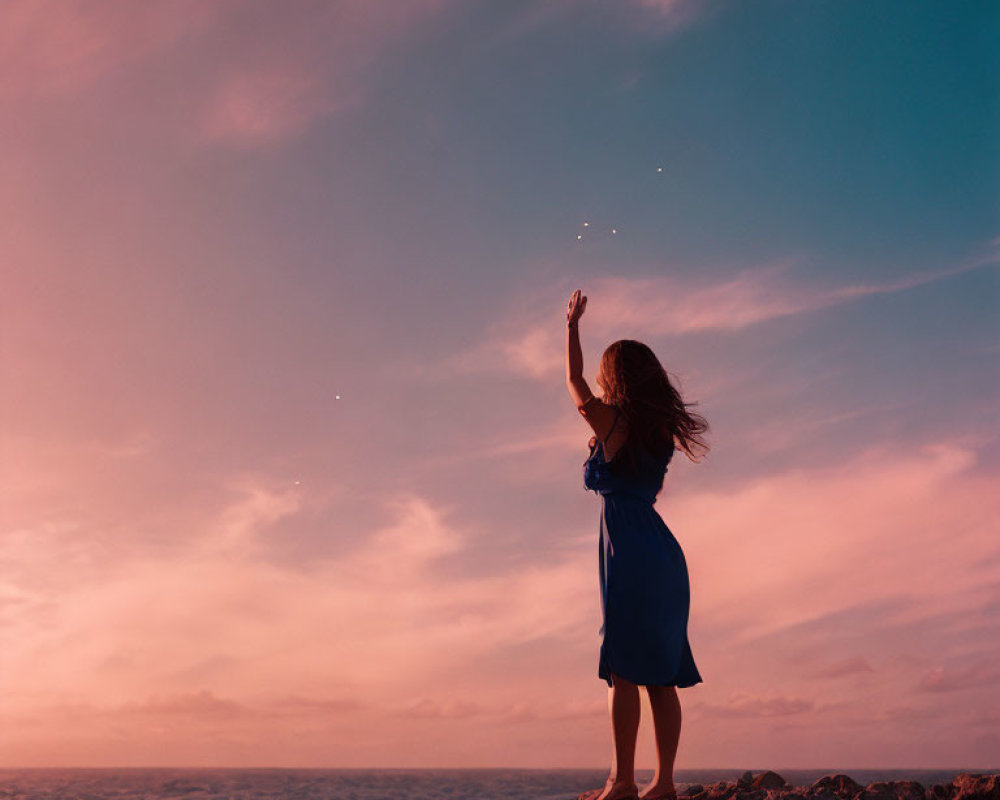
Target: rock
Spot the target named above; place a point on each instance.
(769, 785)
(909, 790)
(877, 790)
(839, 784)
(769, 780)
(941, 791)
(976, 786)
(893, 790)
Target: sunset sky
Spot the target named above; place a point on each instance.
(289, 474)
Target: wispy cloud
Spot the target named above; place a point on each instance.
(651, 17)
(748, 704)
(848, 666)
(950, 679)
(529, 341)
(199, 704)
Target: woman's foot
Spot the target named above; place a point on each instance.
(659, 791)
(612, 791)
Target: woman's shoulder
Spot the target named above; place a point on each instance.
(602, 417)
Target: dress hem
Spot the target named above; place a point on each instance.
(604, 664)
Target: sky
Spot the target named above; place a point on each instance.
(289, 473)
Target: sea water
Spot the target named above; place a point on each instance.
(374, 784)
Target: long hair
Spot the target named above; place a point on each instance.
(636, 383)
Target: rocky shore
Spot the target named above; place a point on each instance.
(770, 785)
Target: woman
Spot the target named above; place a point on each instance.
(645, 593)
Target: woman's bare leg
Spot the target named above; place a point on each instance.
(666, 706)
(625, 709)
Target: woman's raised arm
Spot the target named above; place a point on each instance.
(578, 388)
(598, 414)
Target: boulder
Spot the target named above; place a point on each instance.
(838, 783)
(975, 786)
(769, 785)
(941, 791)
(715, 790)
(769, 780)
(878, 790)
(909, 790)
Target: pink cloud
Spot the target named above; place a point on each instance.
(848, 666)
(217, 596)
(259, 106)
(214, 632)
(949, 679)
(748, 704)
(801, 534)
(52, 46)
(264, 73)
(201, 703)
(427, 707)
(292, 69)
(297, 704)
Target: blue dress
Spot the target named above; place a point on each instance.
(645, 592)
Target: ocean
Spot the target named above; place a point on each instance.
(155, 783)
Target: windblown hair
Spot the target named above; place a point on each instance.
(658, 418)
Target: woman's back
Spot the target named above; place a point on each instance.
(607, 475)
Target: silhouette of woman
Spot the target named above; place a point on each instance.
(645, 594)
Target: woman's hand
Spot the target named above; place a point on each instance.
(576, 306)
